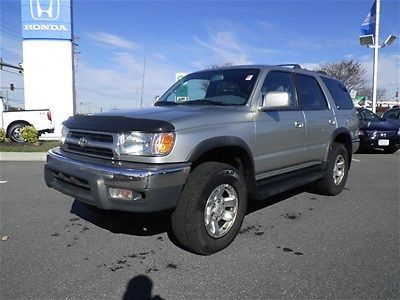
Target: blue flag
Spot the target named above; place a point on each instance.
(368, 26)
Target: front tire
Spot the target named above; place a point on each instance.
(211, 208)
(335, 176)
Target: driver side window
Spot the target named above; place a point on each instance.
(277, 81)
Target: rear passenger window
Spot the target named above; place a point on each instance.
(311, 96)
(277, 81)
(339, 93)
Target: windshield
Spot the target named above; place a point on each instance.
(214, 87)
(367, 115)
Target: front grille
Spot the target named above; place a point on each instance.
(75, 181)
(382, 134)
(91, 136)
(91, 143)
(88, 150)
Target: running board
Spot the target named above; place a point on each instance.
(285, 182)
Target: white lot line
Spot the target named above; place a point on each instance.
(3, 181)
(355, 159)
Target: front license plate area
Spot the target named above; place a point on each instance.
(383, 143)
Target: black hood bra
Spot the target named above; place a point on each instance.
(117, 124)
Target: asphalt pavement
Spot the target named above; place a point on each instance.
(295, 245)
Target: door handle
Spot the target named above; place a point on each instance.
(299, 124)
(332, 121)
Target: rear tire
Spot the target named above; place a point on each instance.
(211, 208)
(14, 133)
(335, 176)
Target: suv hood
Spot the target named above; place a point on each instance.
(379, 125)
(152, 119)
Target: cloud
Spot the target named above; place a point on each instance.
(105, 38)
(119, 86)
(224, 47)
(388, 71)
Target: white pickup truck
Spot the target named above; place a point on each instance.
(13, 121)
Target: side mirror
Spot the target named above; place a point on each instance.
(275, 100)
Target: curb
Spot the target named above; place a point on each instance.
(23, 156)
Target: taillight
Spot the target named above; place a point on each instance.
(49, 116)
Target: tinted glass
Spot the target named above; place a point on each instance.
(339, 93)
(392, 114)
(280, 82)
(311, 96)
(367, 115)
(227, 87)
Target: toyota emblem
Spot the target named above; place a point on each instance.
(83, 142)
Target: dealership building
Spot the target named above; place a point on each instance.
(47, 45)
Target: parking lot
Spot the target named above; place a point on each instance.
(295, 245)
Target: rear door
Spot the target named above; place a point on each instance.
(319, 118)
(280, 134)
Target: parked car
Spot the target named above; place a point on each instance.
(392, 115)
(13, 121)
(376, 132)
(212, 139)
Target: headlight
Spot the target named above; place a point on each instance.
(146, 144)
(398, 132)
(64, 132)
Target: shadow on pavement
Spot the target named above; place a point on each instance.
(141, 224)
(140, 287)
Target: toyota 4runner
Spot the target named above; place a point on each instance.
(212, 140)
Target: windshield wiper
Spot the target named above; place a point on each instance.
(204, 101)
(166, 103)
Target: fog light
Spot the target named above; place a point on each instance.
(121, 194)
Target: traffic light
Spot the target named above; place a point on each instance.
(12, 87)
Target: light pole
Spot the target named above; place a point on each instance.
(372, 41)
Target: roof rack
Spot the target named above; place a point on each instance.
(294, 66)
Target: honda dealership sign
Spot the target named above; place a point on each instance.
(46, 19)
(48, 58)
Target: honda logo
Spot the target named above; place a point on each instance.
(45, 10)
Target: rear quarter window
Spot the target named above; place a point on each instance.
(339, 93)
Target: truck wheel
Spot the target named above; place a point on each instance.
(336, 175)
(15, 132)
(211, 208)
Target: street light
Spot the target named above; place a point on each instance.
(366, 40)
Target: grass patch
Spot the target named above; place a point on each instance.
(43, 146)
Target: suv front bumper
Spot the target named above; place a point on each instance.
(155, 187)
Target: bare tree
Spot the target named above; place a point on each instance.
(367, 92)
(349, 71)
(216, 66)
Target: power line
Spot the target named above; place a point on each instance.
(12, 12)
(4, 21)
(11, 34)
(11, 29)
(9, 6)
(11, 72)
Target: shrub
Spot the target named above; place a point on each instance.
(30, 134)
(3, 138)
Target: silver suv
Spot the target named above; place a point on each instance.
(215, 138)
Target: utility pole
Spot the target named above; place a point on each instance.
(376, 47)
(144, 71)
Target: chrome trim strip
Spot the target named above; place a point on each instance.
(153, 178)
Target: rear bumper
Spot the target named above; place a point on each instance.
(49, 130)
(155, 187)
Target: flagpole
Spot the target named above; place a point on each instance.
(376, 49)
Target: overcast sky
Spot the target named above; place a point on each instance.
(185, 36)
